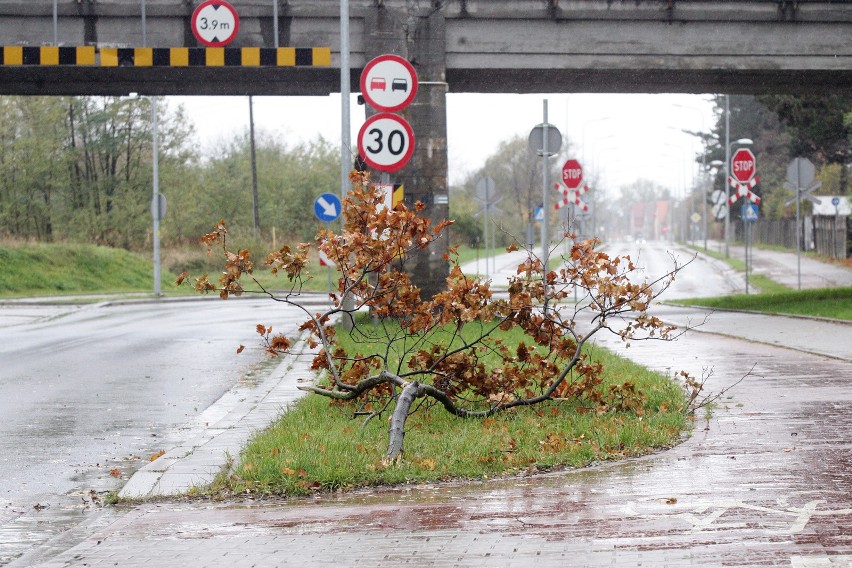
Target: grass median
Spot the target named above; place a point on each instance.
(833, 303)
(317, 446)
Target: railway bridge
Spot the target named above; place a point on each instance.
(90, 47)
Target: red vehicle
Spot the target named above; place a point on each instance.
(378, 84)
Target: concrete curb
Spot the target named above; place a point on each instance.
(221, 432)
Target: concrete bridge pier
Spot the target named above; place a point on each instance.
(420, 38)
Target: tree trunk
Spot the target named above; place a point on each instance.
(400, 414)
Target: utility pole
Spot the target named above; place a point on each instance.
(254, 199)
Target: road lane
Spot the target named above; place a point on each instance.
(99, 389)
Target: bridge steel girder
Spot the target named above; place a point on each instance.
(651, 46)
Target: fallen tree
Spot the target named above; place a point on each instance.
(447, 351)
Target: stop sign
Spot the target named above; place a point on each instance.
(572, 174)
(742, 165)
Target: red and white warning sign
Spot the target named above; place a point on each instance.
(215, 23)
(388, 83)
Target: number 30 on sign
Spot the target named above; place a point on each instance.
(386, 141)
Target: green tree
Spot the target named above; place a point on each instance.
(32, 155)
(816, 127)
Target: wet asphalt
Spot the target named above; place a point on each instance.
(764, 480)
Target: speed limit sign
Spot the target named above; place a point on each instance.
(386, 141)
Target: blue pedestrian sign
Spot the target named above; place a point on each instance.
(539, 213)
(327, 207)
(750, 212)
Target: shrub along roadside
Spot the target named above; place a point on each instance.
(318, 446)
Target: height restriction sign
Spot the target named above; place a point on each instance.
(215, 23)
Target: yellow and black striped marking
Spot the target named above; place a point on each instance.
(166, 56)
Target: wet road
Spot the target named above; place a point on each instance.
(88, 394)
(703, 277)
(765, 480)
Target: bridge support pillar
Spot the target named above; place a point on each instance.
(421, 40)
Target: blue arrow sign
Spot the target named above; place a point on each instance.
(327, 207)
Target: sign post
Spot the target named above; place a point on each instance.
(800, 173)
(749, 215)
(742, 177)
(572, 177)
(485, 193)
(545, 140)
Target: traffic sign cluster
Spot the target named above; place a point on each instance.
(742, 177)
(572, 177)
(386, 141)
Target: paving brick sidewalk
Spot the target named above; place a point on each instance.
(765, 481)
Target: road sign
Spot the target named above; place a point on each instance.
(215, 23)
(720, 210)
(749, 212)
(800, 172)
(835, 201)
(394, 194)
(324, 260)
(388, 83)
(386, 141)
(327, 207)
(743, 165)
(695, 218)
(718, 196)
(485, 189)
(572, 174)
(538, 213)
(554, 140)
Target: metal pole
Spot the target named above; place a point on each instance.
(348, 301)
(345, 127)
(727, 174)
(144, 27)
(798, 230)
(493, 246)
(156, 161)
(485, 221)
(704, 199)
(747, 230)
(275, 30)
(545, 246)
(254, 197)
(55, 23)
